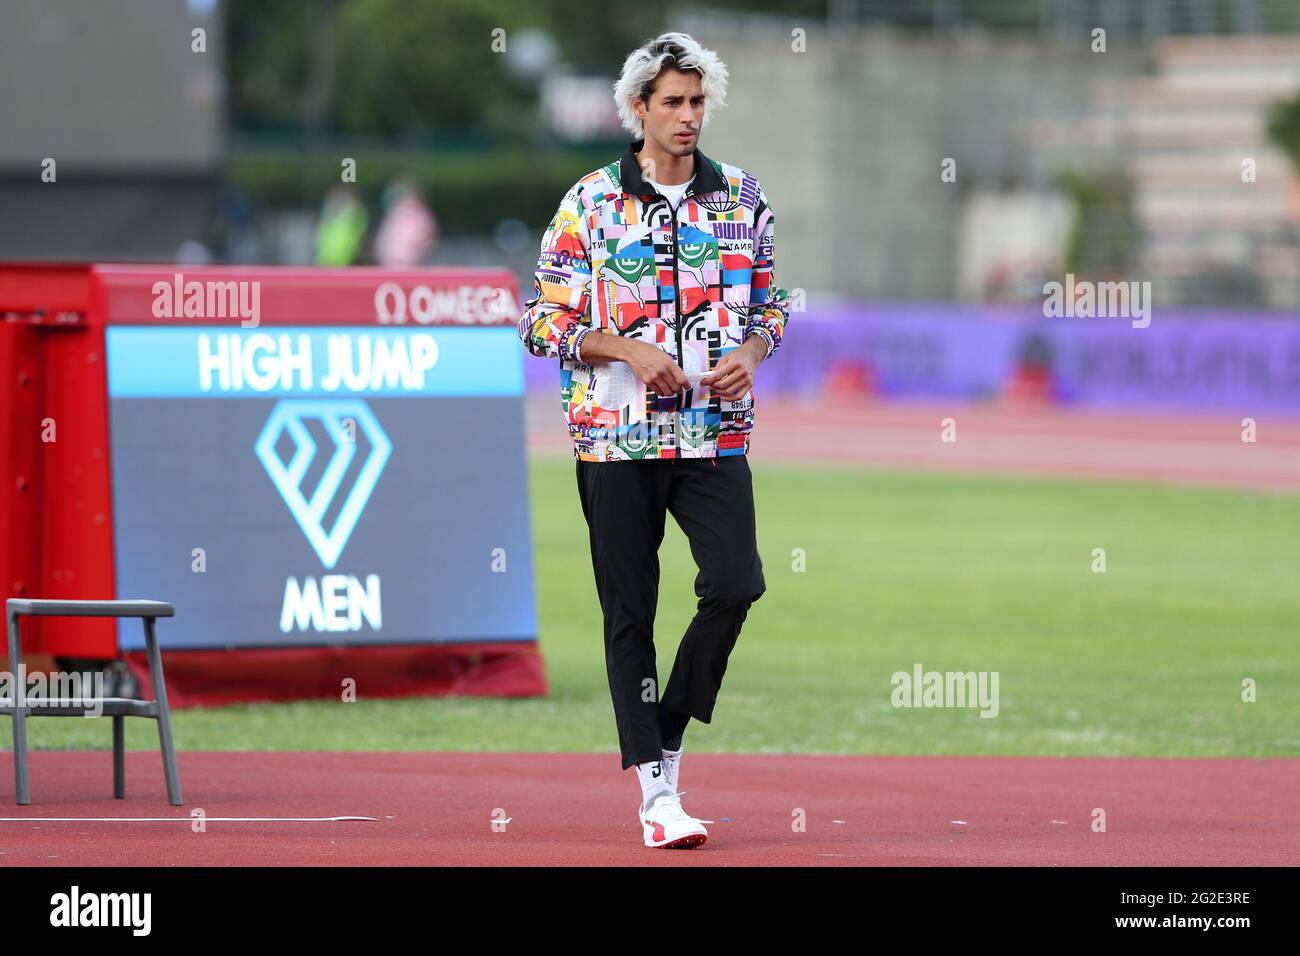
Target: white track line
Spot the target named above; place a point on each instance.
(182, 819)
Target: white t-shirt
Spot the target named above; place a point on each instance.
(673, 194)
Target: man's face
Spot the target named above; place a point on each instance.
(676, 107)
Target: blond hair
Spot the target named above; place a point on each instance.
(678, 51)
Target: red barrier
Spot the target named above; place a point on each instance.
(56, 530)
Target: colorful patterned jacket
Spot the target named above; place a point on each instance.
(716, 253)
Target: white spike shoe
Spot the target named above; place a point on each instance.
(668, 826)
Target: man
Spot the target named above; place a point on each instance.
(655, 290)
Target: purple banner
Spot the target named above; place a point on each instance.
(1208, 360)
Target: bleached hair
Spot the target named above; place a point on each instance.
(674, 51)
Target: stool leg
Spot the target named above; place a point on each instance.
(119, 757)
(164, 715)
(20, 715)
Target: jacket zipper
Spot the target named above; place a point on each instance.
(677, 300)
(677, 313)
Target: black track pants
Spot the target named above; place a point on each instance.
(624, 502)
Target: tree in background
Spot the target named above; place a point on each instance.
(1105, 237)
(405, 70)
(1284, 128)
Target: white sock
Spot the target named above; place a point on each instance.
(677, 756)
(651, 778)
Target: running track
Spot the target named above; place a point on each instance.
(1048, 442)
(578, 809)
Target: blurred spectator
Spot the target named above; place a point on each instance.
(192, 252)
(409, 228)
(240, 237)
(343, 222)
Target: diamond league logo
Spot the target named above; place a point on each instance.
(289, 416)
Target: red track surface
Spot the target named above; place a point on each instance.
(578, 809)
(1047, 442)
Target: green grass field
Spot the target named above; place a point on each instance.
(1202, 590)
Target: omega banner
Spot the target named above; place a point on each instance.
(320, 457)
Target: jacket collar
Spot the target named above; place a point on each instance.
(707, 178)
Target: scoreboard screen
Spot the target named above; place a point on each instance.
(321, 484)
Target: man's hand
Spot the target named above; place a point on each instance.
(655, 367)
(734, 374)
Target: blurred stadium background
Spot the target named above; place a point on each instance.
(1170, 157)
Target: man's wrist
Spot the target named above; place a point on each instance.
(758, 345)
(598, 346)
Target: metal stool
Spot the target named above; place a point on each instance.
(118, 708)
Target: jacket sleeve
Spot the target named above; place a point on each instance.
(558, 316)
(769, 305)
